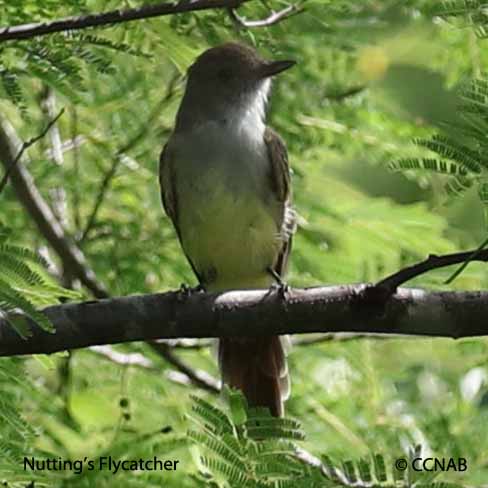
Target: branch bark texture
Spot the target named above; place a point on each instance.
(27, 31)
(251, 313)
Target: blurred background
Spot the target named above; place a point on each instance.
(385, 128)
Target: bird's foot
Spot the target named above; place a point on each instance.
(281, 286)
(186, 291)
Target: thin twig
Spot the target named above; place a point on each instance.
(58, 193)
(331, 473)
(189, 344)
(67, 145)
(118, 16)
(130, 359)
(198, 344)
(350, 92)
(465, 264)
(341, 337)
(141, 361)
(273, 18)
(72, 257)
(199, 378)
(76, 139)
(392, 282)
(42, 215)
(109, 175)
(48, 106)
(26, 145)
(184, 374)
(100, 197)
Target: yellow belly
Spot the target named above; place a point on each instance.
(231, 237)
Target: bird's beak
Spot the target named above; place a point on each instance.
(272, 68)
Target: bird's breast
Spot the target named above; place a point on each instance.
(228, 224)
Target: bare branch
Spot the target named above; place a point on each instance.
(73, 259)
(189, 344)
(25, 145)
(104, 185)
(389, 284)
(334, 474)
(342, 95)
(198, 344)
(59, 201)
(273, 18)
(129, 359)
(339, 337)
(190, 377)
(118, 158)
(26, 31)
(348, 308)
(197, 377)
(71, 256)
(76, 140)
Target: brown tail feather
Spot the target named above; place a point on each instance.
(257, 367)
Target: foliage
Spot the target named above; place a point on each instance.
(18, 436)
(23, 287)
(461, 147)
(371, 78)
(257, 450)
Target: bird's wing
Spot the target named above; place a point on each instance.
(169, 196)
(280, 185)
(167, 184)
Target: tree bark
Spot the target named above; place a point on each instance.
(27, 31)
(349, 308)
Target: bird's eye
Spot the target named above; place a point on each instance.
(225, 74)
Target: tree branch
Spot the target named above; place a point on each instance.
(348, 308)
(71, 256)
(185, 375)
(349, 92)
(187, 344)
(25, 145)
(198, 344)
(199, 378)
(42, 215)
(127, 359)
(273, 18)
(392, 282)
(26, 31)
(117, 159)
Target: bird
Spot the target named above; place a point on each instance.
(225, 184)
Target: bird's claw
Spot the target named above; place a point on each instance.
(280, 286)
(186, 291)
(282, 289)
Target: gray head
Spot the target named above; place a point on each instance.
(226, 77)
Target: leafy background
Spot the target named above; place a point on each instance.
(372, 77)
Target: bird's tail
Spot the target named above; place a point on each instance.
(256, 366)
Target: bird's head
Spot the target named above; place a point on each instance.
(232, 69)
(229, 76)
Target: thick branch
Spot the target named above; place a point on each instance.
(72, 257)
(253, 313)
(27, 193)
(26, 31)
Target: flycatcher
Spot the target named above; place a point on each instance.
(225, 185)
